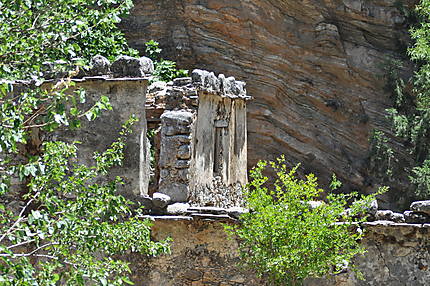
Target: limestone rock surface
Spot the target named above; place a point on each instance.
(312, 67)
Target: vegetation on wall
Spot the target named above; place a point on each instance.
(410, 114)
(57, 224)
(290, 235)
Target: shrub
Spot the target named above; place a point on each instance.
(410, 115)
(286, 238)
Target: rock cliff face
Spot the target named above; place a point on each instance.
(312, 66)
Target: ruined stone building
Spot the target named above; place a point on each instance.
(202, 139)
(186, 162)
(197, 152)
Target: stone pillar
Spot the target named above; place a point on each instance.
(220, 156)
(175, 154)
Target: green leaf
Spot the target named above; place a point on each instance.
(126, 280)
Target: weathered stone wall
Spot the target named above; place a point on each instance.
(201, 255)
(398, 254)
(202, 138)
(175, 154)
(127, 97)
(220, 141)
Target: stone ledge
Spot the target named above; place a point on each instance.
(166, 217)
(217, 214)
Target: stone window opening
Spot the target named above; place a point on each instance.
(217, 163)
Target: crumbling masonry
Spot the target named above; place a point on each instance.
(202, 138)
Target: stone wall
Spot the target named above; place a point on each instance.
(398, 254)
(127, 97)
(125, 83)
(201, 255)
(220, 140)
(175, 154)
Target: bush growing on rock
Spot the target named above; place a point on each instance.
(285, 238)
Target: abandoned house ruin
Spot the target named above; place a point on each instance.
(196, 147)
(186, 161)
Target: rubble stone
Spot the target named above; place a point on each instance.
(99, 66)
(421, 206)
(236, 212)
(126, 66)
(178, 208)
(416, 217)
(160, 200)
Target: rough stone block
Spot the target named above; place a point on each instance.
(421, 206)
(184, 152)
(210, 210)
(99, 66)
(182, 81)
(176, 130)
(160, 200)
(126, 66)
(182, 164)
(178, 208)
(236, 212)
(384, 215)
(198, 77)
(415, 217)
(398, 217)
(158, 86)
(183, 174)
(145, 201)
(175, 118)
(177, 192)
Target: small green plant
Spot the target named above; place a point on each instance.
(335, 183)
(285, 238)
(381, 155)
(421, 178)
(165, 70)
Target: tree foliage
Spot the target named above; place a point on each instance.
(288, 236)
(410, 114)
(37, 31)
(64, 226)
